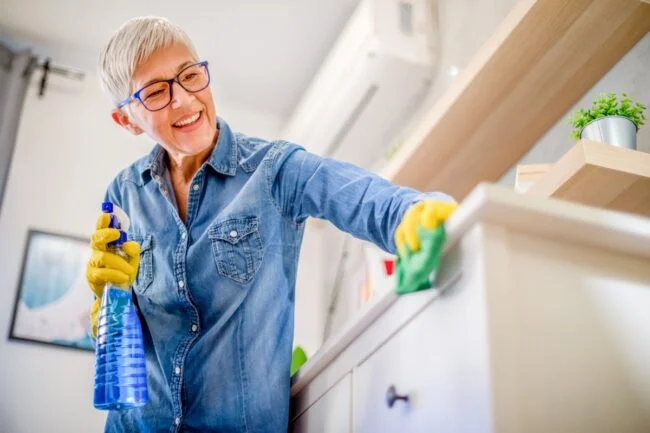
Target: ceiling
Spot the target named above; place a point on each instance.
(262, 53)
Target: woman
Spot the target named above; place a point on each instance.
(217, 219)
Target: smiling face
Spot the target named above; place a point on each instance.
(185, 127)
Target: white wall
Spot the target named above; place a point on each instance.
(463, 26)
(67, 152)
(311, 292)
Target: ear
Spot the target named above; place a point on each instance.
(123, 120)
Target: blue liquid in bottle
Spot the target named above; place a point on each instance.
(120, 371)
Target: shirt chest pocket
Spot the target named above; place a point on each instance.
(145, 270)
(237, 247)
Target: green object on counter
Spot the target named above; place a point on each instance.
(417, 271)
(298, 358)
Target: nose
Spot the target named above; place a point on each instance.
(180, 96)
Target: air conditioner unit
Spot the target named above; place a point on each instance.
(377, 73)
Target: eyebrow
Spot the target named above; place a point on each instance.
(180, 68)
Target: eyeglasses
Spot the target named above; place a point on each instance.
(157, 95)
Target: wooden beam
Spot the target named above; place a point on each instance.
(600, 175)
(540, 61)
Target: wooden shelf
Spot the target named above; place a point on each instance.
(528, 174)
(598, 175)
(540, 61)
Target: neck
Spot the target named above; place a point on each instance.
(184, 167)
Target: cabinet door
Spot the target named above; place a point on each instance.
(331, 413)
(438, 361)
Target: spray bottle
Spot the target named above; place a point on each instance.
(120, 372)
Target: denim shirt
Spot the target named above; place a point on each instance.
(216, 292)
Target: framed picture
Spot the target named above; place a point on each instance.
(53, 300)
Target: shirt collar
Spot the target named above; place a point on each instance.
(223, 158)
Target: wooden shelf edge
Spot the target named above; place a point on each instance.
(560, 172)
(615, 158)
(524, 79)
(528, 174)
(599, 175)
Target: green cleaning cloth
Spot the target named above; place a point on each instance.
(417, 270)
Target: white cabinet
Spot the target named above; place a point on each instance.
(438, 363)
(331, 413)
(540, 323)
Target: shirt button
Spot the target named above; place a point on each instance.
(177, 370)
(181, 284)
(177, 421)
(233, 234)
(183, 235)
(194, 328)
(195, 187)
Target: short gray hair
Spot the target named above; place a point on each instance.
(134, 42)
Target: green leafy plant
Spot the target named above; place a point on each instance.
(607, 104)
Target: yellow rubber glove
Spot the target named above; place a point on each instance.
(107, 267)
(429, 214)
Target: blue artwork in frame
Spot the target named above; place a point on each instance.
(53, 299)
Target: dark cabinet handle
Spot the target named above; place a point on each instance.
(392, 396)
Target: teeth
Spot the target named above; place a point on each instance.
(188, 120)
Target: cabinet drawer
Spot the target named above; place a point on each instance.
(439, 361)
(331, 413)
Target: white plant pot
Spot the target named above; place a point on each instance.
(615, 130)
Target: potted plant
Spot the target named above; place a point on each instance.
(609, 120)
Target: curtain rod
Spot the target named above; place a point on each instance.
(65, 71)
(59, 70)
